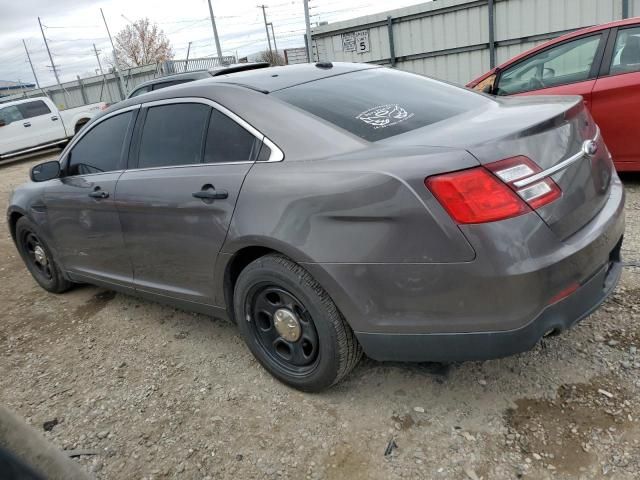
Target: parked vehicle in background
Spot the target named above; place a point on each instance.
(601, 63)
(332, 209)
(171, 80)
(35, 123)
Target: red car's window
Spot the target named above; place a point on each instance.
(566, 63)
(626, 54)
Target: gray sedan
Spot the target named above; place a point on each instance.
(334, 209)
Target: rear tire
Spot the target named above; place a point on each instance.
(38, 258)
(292, 326)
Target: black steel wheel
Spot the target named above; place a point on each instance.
(38, 258)
(292, 326)
(283, 327)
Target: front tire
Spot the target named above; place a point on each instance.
(38, 258)
(292, 326)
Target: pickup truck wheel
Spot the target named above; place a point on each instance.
(292, 326)
(38, 258)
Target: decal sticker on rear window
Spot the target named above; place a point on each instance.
(384, 116)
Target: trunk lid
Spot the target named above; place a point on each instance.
(552, 132)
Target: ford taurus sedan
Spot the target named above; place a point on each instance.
(332, 209)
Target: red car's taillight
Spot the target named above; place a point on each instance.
(488, 193)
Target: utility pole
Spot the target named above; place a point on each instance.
(53, 65)
(98, 58)
(215, 33)
(104, 79)
(266, 28)
(275, 47)
(186, 62)
(307, 22)
(33, 70)
(115, 57)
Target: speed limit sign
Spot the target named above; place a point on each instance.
(362, 41)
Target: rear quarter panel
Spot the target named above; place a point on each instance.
(370, 207)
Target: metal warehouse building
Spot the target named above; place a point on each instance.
(457, 40)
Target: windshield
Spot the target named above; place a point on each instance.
(380, 103)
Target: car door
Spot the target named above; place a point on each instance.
(177, 199)
(44, 126)
(616, 97)
(14, 136)
(81, 205)
(567, 68)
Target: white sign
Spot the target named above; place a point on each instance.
(356, 41)
(362, 41)
(349, 42)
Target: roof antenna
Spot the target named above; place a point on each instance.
(324, 65)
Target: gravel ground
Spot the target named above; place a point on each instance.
(161, 393)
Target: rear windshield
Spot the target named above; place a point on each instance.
(381, 103)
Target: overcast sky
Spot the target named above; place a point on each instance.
(72, 26)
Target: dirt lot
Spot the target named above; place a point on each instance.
(161, 393)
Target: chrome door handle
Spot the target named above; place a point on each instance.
(211, 194)
(26, 124)
(99, 194)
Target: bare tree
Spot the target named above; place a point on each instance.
(273, 57)
(142, 43)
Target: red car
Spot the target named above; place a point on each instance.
(600, 63)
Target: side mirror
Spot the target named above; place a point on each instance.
(2, 122)
(45, 171)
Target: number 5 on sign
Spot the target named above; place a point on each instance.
(362, 41)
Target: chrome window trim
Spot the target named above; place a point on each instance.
(556, 168)
(187, 165)
(76, 138)
(277, 155)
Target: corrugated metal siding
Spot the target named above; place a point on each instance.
(449, 39)
(107, 88)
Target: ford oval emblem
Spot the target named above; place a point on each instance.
(590, 148)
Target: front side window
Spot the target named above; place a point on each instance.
(227, 141)
(33, 109)
(10, 114)
(379, 103)
(567, 63)
(173, 135)
(100, 150)
(626, 54)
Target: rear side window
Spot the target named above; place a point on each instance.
(33, 109)
(626, 55)
(380, 103)
(100, 150)
(10, 114)
(173, 135)
(227, 141)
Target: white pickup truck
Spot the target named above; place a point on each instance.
(31, 124)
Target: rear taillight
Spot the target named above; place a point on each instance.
(488, 193)
(475, 196)
(512, 170)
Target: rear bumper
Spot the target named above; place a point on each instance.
(446, 347)
(496, 305)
